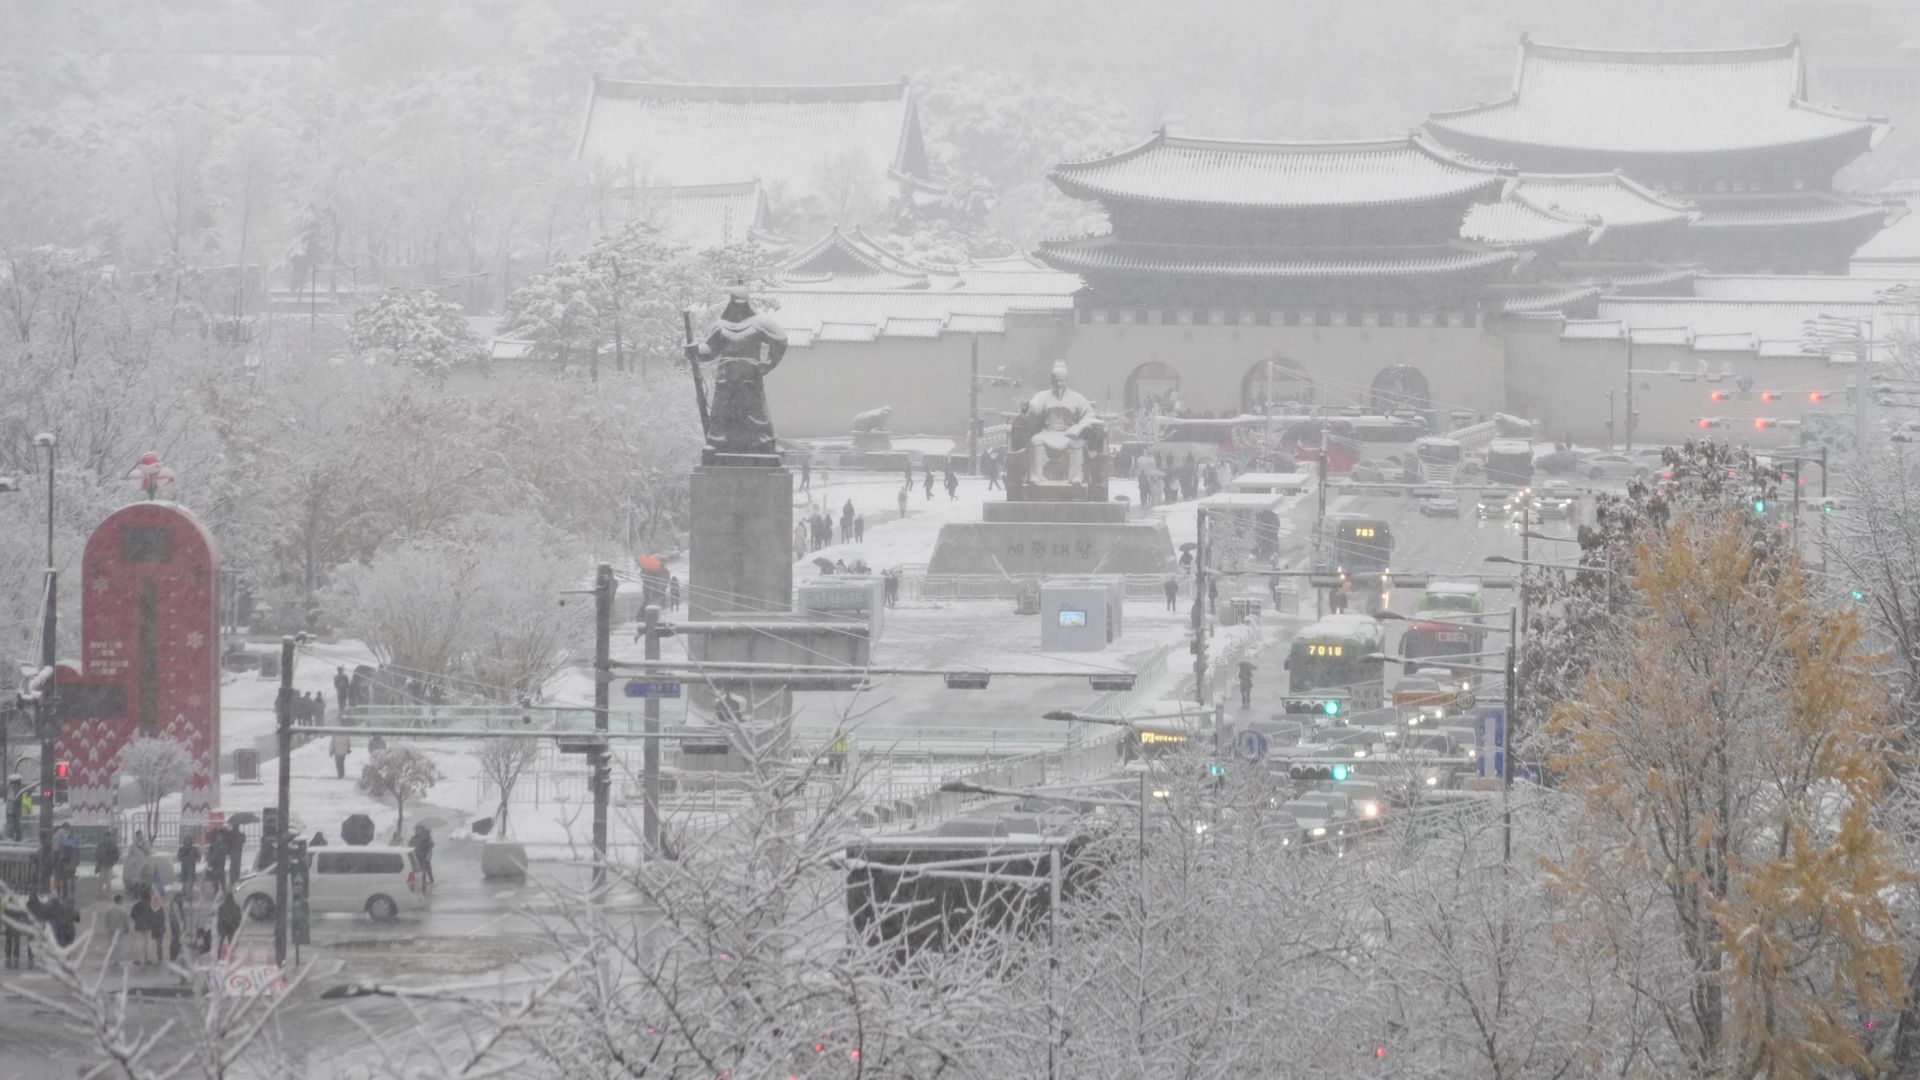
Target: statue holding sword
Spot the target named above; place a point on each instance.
(742, 347)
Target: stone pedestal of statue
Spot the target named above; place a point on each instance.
(741, 554)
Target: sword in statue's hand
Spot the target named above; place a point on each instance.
(693, 366)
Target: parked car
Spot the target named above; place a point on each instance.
(1369, 472)
(377, 880)
(1441, 506)
(1558, 462)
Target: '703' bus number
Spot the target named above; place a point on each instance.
(1325, 650)
(1362, 531)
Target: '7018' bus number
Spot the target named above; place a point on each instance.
(1324, 650)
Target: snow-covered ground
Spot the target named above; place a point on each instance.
(918, 634)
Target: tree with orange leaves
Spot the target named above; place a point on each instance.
(1731, 756)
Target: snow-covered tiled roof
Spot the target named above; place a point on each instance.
(1512, 222)
(1766, 320)
(1106, 253)
(1682, 102)
(796, 140)
(1617, 201)
(1280, 175)
(854, 261)
(1786, 287)
(703, 217)
(813, 315)
(1800, 208)
(1545, 297)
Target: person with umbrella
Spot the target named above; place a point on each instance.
(227, 921)
(1246, 682)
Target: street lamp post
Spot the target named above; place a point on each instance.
(47, 707)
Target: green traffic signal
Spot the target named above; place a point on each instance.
(1331, 708)
(1339, 772)
(1759, 506)
(1859, 594)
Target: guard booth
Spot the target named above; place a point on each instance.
(1081, 614)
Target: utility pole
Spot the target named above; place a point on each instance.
(1629, 427)
(1860, 399)
(1610, 419)
(283, 729)
(1200, 607)
(650, 750)
(1320, 522)
(1506, 751)
(973, 403)
(602, 679)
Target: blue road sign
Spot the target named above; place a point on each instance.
(1250, 746)
(652, 688)
(1490, 741)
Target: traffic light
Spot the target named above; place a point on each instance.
(1330, 707)
(1759, 505)
(1335, 773)
(1704, 423)
(1718, 395)
(1214, 768)
(1768, 395)
(1339, 772)
(1816, 397)
(59, 770)
(1858, 593)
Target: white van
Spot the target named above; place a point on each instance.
(377, 880)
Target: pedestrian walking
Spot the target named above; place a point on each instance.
(157, 924)
(116, 924)
(929, 483)
(63, 919)
(66, 858)
(179, 924)
(991, 466)
(217, 858)
(837, 757)
(341, 685)
(105, 854)
(903, 500)
(673, 593)
(319, 840)
(846, 523)
(236, 847)
(1172, 588)
(227, 921)
(860, 528)
(376, 744)
(952, 483)
(422, 845)
(340, 746)
(799, 542)
(13, 922)
(909, 473)
(806, 475)
(189, 859)
(1246, 682)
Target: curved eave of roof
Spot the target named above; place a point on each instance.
(1664, 210)
(1831, 211)
(1867, 134)
(1516, 223)
(1479, 180)
(1544, 299)
(1099, 254)
(861, 249)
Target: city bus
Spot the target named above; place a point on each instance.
(1333, 655)
(1428, 639)
(1359, 549)
(1462, 596)
(1510, 462)
(1439, 459)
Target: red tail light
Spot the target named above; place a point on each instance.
(410, 885)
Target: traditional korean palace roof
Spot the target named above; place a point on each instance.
(1543, 208)
(704, 217)
(792, 139)
(849, 287)
(1280, 175)
(1110, 254)
(1623, 105)
(1808, 209)
(1576, 298)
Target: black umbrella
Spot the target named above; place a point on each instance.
(244, 817)
(825, 564)
(1189, 546)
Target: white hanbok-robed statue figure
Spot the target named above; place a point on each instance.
(1059, 447)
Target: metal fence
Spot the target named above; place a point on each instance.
(917, 584)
